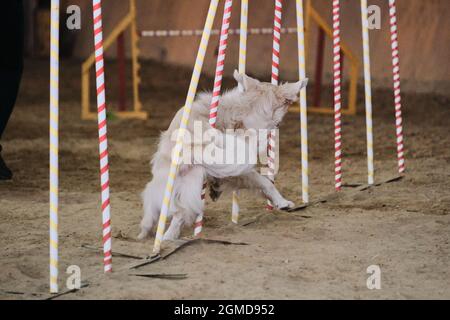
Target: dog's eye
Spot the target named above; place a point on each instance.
(288, 102)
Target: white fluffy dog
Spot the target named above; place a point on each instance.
(258, 106)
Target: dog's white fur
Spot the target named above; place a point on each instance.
(258, 106)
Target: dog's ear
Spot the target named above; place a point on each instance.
(291, 91)
(245, 82)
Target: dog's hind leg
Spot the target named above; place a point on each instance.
(151, 198)
(187, 201)
(174, 230)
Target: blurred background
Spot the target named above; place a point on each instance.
(424, 33)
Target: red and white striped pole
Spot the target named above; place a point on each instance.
(198, 224)
(220, 63)
(102, 134)
(275, 78)
(337, 95)
(223, 41)
(397, 93)
(276, 41)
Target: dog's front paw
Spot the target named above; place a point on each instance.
(285, 205)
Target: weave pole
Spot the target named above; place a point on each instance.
(275, 77)
(276, 41)
(242, 65)
(176, 152)
(303, 104)
(102, 134)
(198, 224)
(368, 91)
(243, 39)
(54, 142)
(213, 108)
(337, 96)
(397, 93)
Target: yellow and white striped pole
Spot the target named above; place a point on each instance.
(242, 64)
(243, 38)
(368, 91)
(303, 105)
(176, 152)
(54, 115)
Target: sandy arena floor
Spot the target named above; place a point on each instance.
(321, 252)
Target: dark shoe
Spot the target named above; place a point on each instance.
(5, 173)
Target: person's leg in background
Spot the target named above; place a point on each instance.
(11, 66)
